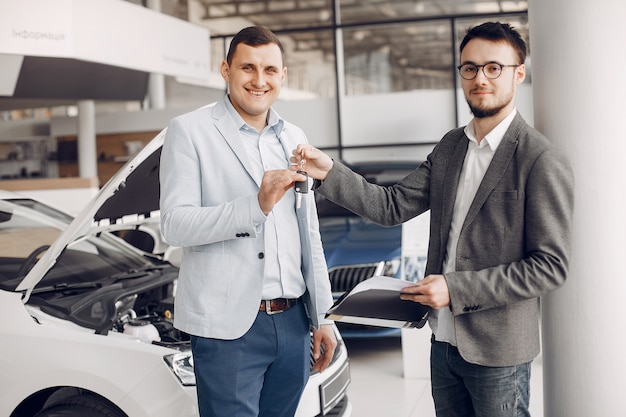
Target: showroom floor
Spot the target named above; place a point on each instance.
(378, 387)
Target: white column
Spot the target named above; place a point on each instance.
(156, 82)
(579, 93)
(87, 158)
(156, 91)
(415, 342)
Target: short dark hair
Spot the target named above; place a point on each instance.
(254, 36)
(496, 31)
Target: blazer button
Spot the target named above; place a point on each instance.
(261, 255)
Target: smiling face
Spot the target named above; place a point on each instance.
(491, 97)
(254, 78)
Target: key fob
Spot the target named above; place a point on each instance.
(302, 186)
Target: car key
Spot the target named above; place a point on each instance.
(301, 187)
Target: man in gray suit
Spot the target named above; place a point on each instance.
(501, 201)
(253, 276)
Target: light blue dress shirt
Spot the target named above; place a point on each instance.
(283, 274)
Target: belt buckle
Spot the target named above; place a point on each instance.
(268, 308)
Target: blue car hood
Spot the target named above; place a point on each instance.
(353, 240)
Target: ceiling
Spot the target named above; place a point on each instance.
(291, 14)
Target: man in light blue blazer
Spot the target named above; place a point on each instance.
(500, 197)
(253, 278)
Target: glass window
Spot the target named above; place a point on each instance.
(310, 62)
(218, 53)
(398, 57)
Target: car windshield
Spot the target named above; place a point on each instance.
(42, 208)
(28, 228)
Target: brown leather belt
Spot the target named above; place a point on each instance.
(277, 305)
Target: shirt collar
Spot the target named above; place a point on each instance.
(496, 135)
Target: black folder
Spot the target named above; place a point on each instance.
(376, 302)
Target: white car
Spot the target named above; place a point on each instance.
(86, 318)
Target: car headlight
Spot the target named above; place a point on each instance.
(181, 364)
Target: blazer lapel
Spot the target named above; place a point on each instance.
(451, 183)
(230, 133)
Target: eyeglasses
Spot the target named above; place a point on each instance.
(491, 70)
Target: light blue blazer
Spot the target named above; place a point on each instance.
(208, 207)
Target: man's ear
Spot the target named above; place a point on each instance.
(225, 71)
(520, 74)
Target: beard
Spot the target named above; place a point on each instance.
(484, 112)
(481, 113)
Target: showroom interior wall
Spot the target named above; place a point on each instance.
(582, 108)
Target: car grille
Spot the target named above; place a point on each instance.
(344, 278)
(335, 355)
(339, 409)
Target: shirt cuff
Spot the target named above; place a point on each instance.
(316, 184)
(322, 320)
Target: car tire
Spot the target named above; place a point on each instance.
(80, 406)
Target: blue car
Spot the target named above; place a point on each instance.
(356, 248)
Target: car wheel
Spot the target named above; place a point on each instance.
(80, 406)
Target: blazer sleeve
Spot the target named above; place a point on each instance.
(384, 205)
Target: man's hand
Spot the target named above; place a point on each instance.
(324, 336)
(315, 162)
(274, 185)
(431, 291)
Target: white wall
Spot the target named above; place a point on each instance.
(413, 117)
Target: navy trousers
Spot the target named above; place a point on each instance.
(261, 374)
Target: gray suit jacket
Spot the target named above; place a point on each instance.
(514, 245)
(209, 206)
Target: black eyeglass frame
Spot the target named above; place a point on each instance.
(483, 69)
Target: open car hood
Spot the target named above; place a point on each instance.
(128, 198)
